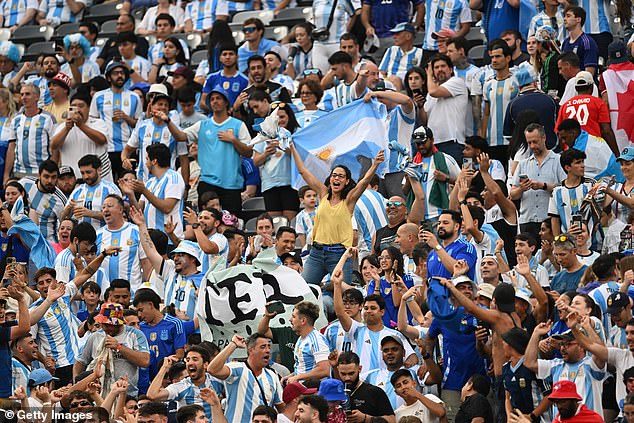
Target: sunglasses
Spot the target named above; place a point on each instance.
(312, 71)
(80, 404)
(249, 29)
(394, 203)
(562, 238)
(277, 104)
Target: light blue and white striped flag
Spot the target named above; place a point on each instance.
(351, 135)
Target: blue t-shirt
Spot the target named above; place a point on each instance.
(586, 48)
(233, 85)
(498, 16)
(387, 14)
(461, 359)
(5, 362)
(251, 174)
(20, 251)
(390, 317)
(565, 281)
(459, 250)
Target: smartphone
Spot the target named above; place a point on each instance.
(6, 282)
(425, 225)
(418, 91)
(467, 163)
(275, 307)
(71, 112)
(523, 178)
(577, 219)
(10, 260)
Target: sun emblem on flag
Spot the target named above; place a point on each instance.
(325, 154)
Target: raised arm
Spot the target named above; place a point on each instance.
(524, 269)
(417, 213)
(403, 326)
(218, 366)
(508, 207)
(598, 350)
(310, 179)
(87, 272)
(356, 192)
(530, 355)
(146, 241)
(345, 320)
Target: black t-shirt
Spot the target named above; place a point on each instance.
(386, 237)
(474, 406)
(110, 49)
(371, 400)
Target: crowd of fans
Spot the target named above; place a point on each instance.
(485, 277)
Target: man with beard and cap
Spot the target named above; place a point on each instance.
(211, 242)
(59, 89)
(241, 378)
(129, 347)
(438, 169)
(45, 198)
(290, 396)
(502, 318)
(181, 276)
(66, 180)
(564, 395)
(447, 96)
(120, 109)
(588, 372)
(85, 202)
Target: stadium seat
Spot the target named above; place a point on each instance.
(108, 29)
(238, 37)
(266, 16)
(250, 225)
(475, 37)
(5, 34)
(292, 16)
(104, 12)
(193, 41)
(35, 49)
(279, 221)
(276, 33)
(29, 34)
(419, 39)
(100, 42)
(198, 57)
(476, 54)
(65, 29)
(255, 203)
(139, 13)
(237, 26)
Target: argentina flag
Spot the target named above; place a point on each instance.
(351, 136)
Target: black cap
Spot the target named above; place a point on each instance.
(566, 336)
(617, 52)
(422, 134)
(616, 301)
(297, 258)
(517, 338)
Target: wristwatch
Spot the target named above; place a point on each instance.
(463, 203)
(438, 247)
(195, 225)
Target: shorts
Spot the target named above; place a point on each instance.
(281, 198)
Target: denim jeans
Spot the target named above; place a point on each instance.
(321, 263)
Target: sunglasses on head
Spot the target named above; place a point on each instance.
(562, 238)
(277, 104)
(394, 203)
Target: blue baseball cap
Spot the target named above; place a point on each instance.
(332, 390)
(190, 248)
(627, 154)
(41, 376)
(404, 26)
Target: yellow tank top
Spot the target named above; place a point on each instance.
(333, 224)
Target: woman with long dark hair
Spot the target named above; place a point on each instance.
(415, 83)
(173, 58)
(332, 230)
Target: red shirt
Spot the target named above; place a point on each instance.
(584, 415)
(588, 110)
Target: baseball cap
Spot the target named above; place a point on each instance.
(583, 79)
(524, 77)
(517, 338)
(183, 71)
(188, 247)
(392, 338)
(62, 80)
(465, 279)
(66, 171)
(504, 296)
(40, 376)
(422, 134)
(617, 52)
(564, 389)
(110, 314)
(332, 390)
(616, 301)
(486, 290)
(294, 390)
(404, 26)
(523, 294)
(565, 336)
(627, 154)
(295, 257)
(443, 33)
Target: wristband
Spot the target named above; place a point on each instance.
(545, 186)
(234, 343)
(409, 300)
(463, 203)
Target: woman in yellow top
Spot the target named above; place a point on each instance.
(332, 230)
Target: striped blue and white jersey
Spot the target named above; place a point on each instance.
(272, 4)
(566, 201)
(93, 53)
(14, 10)
(32, 136)
(400, 126)
(285, 81)
(468, 75)
(92, 199)
(126, 264)
(147, 132)
(428, 167)
(617, 338)
(48, 206)
(600, 160)
(381, 378)
(203, 69)
(58, 11)
(597, 16)
(309, 351)
(600, 296)
(585, 374)
(223, 254)
(368, 345)
(303, 60)
(344, 94)
(155, 51)
(498, 95)
(203, 13)
(305, 117)
(341, 16)
(338, 339)
(440, 14)
(56, 332)
(243, 392)
(397, 62)
(19, 375)
(556, 23)
(304, 222)
(104, 103)
(369, 212)
(182, 291)
(140, 65)
(87, 71)
(42, 83)
(239, 6)
(186, 393)
(169, 185)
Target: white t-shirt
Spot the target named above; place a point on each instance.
(571, 91)
(621, 360)
(419, 410)
(442, 112)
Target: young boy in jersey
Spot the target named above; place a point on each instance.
(306, 217)
(90, 295)
(427, 407)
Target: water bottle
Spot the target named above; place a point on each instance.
(347, 404)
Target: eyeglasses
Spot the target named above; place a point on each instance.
(248, 29)
(83, 403)
(394, 203)
(568, 344)
(337, 176)
(277, 104)
(312, 71)
(381, 258)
